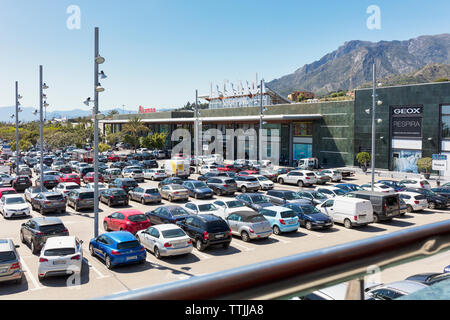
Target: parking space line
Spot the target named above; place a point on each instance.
(312, 233)
(204, 256)
(29, 273)
(280, 239)
(99, 274)
(242, 246)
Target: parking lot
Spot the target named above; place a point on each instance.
(96, 280)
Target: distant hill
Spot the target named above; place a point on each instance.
(350, 66)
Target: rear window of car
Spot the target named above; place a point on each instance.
(174, 233)
(229, 181)
(177, 187)
(255, 218)
(216, 226)
(207, 207)
(55, 197)
(137, 218)
(288, 214)
(7, 256)
(128, 245)
(52, 228)
(118, 192)
(151, 191)
(252, 179)
(59, 252)
(86, 195)
(421, 197)
(129, 182)
(390, 201)
(72, 187)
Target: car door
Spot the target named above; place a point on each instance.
(101, 247)
(114, 221)
(327, 208)
(152, 216)
(233, 222)
(165, 191)
(187, 227)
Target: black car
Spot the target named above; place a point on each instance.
(126, 184)
(49, 202)
(435, 201)
(442, 191)
(150, 164)
(50, 181)
(207, 230)
(171, 180)
(256, 201)
(167, 214)
(114, 196)
(310, 217)
(84, 171)
(147, 156)
(36, 231)
(429, 278)
(48, 161)
(81, 199)
(21, 183)
(119, 164)
(281, 197)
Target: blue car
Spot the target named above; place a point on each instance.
(393, 184)
(349, 187)
(310, 217)
(281, 219)
(197, 189)
(447, 269)
(117, 248)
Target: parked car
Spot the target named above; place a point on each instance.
(331, 192)
(70, 177)
(65, 169)
(207, 168)
(81, 199)
(89, 177)
(170, 180)
(49, 202)
(226, 167)
(222, 185)
(321, 177)
(134, 173)
(198, 189)
(397, 186)
(165, 240)
(349, 187)
(111, 175)
(280, 197)
(61, 256)
(5, 191)
(114, 196)
(25, 171)
(385, 205)
(269, 174)
(150, 164)
(429, 278)
(414, 201)
(131, 220)
(415, 183)
(50, 181)
(155, 174)
(248, 172)
(126, 184)
(66, 187)
(394, 290)
(31, 192)
(173, 192)
(36, 231)
(249, 225)
(207, 230)
(167, 214)
(12, 205)
(247, 183)
(101, 188)
(10, 266)
(310, 217)
(145, 194)
(403, 207)
(442, 191)
(213, 174)
(298, 177)
(5, 179)
(378, 187)
(349, 211)
(281, 219)
(254, 201)
(230, 206)
(21, 183)
(435, 201)
(117, 248)
(201, 208)
(264, 182)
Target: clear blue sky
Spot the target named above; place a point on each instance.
(158, 52)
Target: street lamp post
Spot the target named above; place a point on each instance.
(260, 123)
(17, 128)
(373, 127)
(196, 138)
(42, 86)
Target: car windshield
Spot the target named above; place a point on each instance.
(206, 207)
(137, 218)
(235, 204)
(291, 195)
(310, 210)
(199, 184)
(86, 195)
(259, 199)
(318, 195)
(340, 192)
(128, 245)
(173, 233)
(11, 192)
(6, 256)
(16, 200)
(72, 187)
(178, 212)
(59, 252)
(262, 178)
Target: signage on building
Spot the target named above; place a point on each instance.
(439, 162)
(406, 121)
(148, 110)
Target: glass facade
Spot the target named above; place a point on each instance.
(445, 120)
(239, 102)
(302, 150)
(303, 129)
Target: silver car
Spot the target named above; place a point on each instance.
(155, 174)
(174, 192)
(249, 225)
(5, 179)
(145, 194)
(32, 192)
(10, 267)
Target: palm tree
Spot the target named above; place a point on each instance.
(133, 127)
(112, 113)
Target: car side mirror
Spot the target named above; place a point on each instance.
(16, 246)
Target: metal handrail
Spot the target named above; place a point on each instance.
(304, 272)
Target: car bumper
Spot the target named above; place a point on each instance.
(259, 235)
(204, 195)
(180, 197)
(13, 276)
(59, 270)
(21, 213)
(152, 199)
(54, 208)
(322, 225)
(166, 252)
(129, 258)
(289, 228)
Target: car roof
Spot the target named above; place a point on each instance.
(6, 245)
(208, 217)
(406, 286)
(277, 208)
(15, 195)
(51, 193)
(60, 242)
(246, 213)
(166, 226)
(46, 221)
(7, 189)
(120, 236)
(130, 212)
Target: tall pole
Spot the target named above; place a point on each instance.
(41, 127)
(196, 138)
(260, 123)
(373, 126)
(17, 128)
(96, 54)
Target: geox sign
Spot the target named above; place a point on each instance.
(406, 121)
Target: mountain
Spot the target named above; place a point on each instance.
(430, 73)
(350, 65)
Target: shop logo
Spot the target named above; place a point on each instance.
(408, 111)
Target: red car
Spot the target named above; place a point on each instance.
(113, 158)
(226, 167)
(131, 220)
(89, 177)
(247, 172)
(70, 177)
(4, 191)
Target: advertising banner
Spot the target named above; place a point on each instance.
(406, 160)
(406, 121)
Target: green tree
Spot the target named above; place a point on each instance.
(425, 164)
(363, 159)
(134, 127)
(102, 147)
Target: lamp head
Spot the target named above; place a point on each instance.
(102, 75)
(99, 59)
(367, 111)
(379, 102)
(87, 101)
(44, 86)
(99, 88)
(379, 121)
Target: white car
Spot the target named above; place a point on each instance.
(264, 182)
(207, 168)
(135, 173)
(414, 201)
(165, 240)
(416, 183)
(333, 174)
(101, 187)
(155, 174)
(202, 208)
(330, 192)
(298, 177)
(31, 192)
(378, 187)
(14, 205)
(60, 256)
(5, 179)
(66, 187)
(227, 207)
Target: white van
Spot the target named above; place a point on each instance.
(177, 168)
(349, 211)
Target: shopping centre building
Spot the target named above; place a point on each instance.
(414, 123)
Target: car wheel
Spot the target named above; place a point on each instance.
(34, 250)
(347, 224)
(142, 200)
(91, 250)
(276, 230)
(308, 225)
(105, 226)
(300, 183)
(153, 178)
(109, 203)
(376, 219)
(245, 237)
(108, 262)
(280, 181)
(199, 245)
(243, 189)
(432, 205)
(170, 199)
(22, 238)
(409, 209)
(41, 211)
(157, 253)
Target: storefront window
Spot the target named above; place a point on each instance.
(303, 129)
(445, 119)
(302, 150)
(406, 160)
